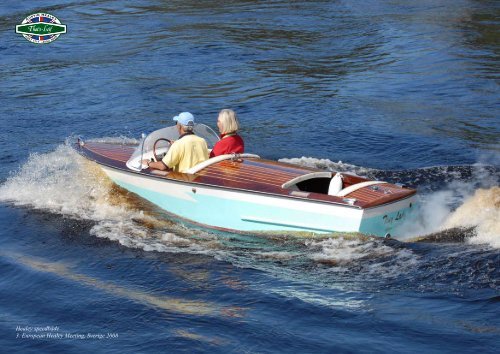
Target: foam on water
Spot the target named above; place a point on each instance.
(326, 164)
(482, 211)
(339, 251)
(277, 255)
(65, 183)
(61, 182)
(376, 257)
(459, 206)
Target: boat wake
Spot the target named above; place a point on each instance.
(482, 212)
(457, 203)
(460, 208)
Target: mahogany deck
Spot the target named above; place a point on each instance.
(257, 175)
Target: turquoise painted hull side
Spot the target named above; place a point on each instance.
(237, 215)
(251, 212)
(388, 223)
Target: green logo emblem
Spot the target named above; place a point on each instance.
(41, 28)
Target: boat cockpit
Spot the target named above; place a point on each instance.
(155, 145)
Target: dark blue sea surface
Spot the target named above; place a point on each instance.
(401, 91)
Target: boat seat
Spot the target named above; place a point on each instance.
(336, 184)
(293, 182)
(219, 158)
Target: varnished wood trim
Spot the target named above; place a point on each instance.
(259, 177)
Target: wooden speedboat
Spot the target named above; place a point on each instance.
(244, 193)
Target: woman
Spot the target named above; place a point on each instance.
(230, 142)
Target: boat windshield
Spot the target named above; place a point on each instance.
(145, 148)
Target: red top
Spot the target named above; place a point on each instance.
(227, 145)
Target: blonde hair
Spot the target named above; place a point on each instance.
(229, 121)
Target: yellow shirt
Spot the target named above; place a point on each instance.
(186, 152)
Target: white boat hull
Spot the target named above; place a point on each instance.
(251, 211)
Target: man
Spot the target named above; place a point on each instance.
(186, 152)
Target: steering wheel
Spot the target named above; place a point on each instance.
(157, 158)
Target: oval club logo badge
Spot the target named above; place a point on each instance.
(41, 28)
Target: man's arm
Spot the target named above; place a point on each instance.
(158, 165)
(170, 159)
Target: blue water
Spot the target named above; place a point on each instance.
(401, 91)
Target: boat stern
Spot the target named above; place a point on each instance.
(385, 220)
